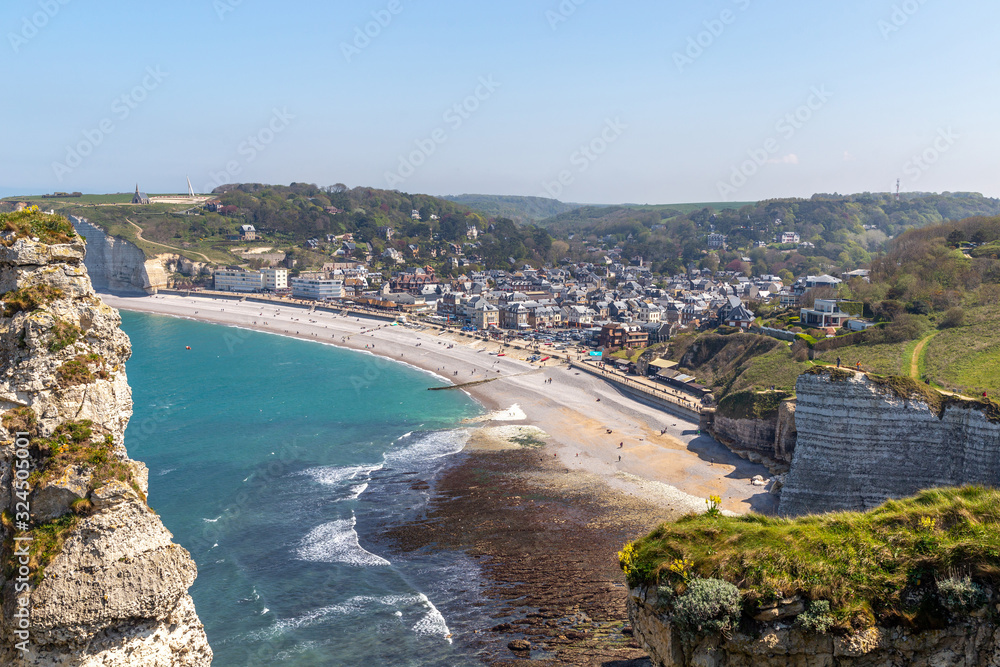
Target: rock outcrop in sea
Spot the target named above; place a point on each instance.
(862, 440)
(100, 582)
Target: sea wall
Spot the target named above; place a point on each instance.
(101, 583)
(780, 644)
(862, 440)
(118, 265)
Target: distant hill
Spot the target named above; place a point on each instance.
(523, 210)
(302, 220)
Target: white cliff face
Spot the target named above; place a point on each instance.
(769, 441)
(972, 644)
(860, 443)
(115, 593)
(117, 265)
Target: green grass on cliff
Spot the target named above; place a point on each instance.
(27, 299)
(31, 223)
(966, 359)
(749, 404)
(886, 358)
(877, 567)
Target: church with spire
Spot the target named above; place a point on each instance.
(140, 197)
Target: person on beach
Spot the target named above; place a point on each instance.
(838, 362)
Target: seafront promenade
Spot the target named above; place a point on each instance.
(674, 400)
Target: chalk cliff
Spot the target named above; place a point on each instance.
(758, 427)
(975, 643)
(862, 440)
(117, 265)
(106, 585)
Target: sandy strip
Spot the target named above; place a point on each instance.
(576, 410)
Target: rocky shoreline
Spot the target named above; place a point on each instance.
(546, 539)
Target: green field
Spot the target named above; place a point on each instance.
(884, 359)
(966, 359)
(778, 369)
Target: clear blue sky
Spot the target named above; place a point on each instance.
(665, 123)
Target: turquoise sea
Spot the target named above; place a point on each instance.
(276, 462)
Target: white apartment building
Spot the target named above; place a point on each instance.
(317, 288)
(275, 279)
(238, 280)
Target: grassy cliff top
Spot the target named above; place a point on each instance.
(878, 567)
(31, 223)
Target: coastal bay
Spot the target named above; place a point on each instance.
(556, 503)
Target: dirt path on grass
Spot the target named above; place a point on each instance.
(917, 353)
(180, 251)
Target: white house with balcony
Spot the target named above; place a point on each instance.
(824, 313)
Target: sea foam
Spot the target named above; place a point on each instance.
(337, 542)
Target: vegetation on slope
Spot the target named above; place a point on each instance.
(738, 362)
(72, 444)
(891, 566)
(31, 223)
(76, 444)
(845, 232)
(81, 369)
(523, 210)
(27, 299)
(751, 404)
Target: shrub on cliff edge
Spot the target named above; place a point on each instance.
(863, 563)
(708, 605)
(960, 594)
